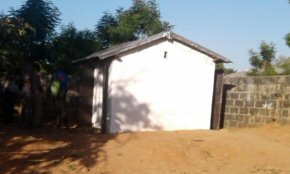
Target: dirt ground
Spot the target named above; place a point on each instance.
(47, 150)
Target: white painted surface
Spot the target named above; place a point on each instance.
(97, 98)
(150, 92)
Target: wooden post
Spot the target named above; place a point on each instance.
(106, 118)
(217, 100)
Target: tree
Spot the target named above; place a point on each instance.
(221, 66)
(72, 44)
(283, 63)
(146, 18)
(104, 29)
(287, 39)
(142, 19)
(13, 33)
(43, 16)
(262, 61)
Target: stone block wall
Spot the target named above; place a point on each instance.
(251, 101)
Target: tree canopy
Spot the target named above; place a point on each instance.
(261, 61)
(28, 34)
(221, 66)
(287, 37)
(104, 29)
(142, 19)
(13, 33)
(72, 44)
(42, 15)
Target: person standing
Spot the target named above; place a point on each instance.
(10, 97)
(58, 89)
(26, 93)
(37, 95)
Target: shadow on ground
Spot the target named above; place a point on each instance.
(38, 150)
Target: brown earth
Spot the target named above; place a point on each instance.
(264, 150)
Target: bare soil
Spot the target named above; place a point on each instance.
(264, 150)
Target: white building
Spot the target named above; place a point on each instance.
(163, 82)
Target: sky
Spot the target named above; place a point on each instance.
(228, 27)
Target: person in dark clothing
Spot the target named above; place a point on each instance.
(10, 98)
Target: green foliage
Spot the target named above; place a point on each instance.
(284, 64)
(220, 66)
(42, 15)
(27, 35)
(255, 59)
(269, 71)
(287, 39)
(142, 19)
(72, 44)
(104, 29)
(267, 52)
(253, 72)
(261, 61)
(13, 33)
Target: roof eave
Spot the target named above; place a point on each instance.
(128, 46)
(84, 59)
(217, 58)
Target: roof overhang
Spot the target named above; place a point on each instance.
(129, 46)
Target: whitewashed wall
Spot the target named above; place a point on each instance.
(97, 97)
(151, 92)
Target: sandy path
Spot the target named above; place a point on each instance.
(263, 150)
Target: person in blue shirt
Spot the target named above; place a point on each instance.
(58, 89)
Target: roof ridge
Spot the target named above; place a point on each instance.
(170, 35)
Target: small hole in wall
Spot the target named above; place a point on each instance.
(165, 55)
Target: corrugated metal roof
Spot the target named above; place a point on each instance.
(128, 46)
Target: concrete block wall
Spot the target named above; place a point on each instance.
(251, 101)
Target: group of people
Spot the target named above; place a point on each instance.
(32, 92)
